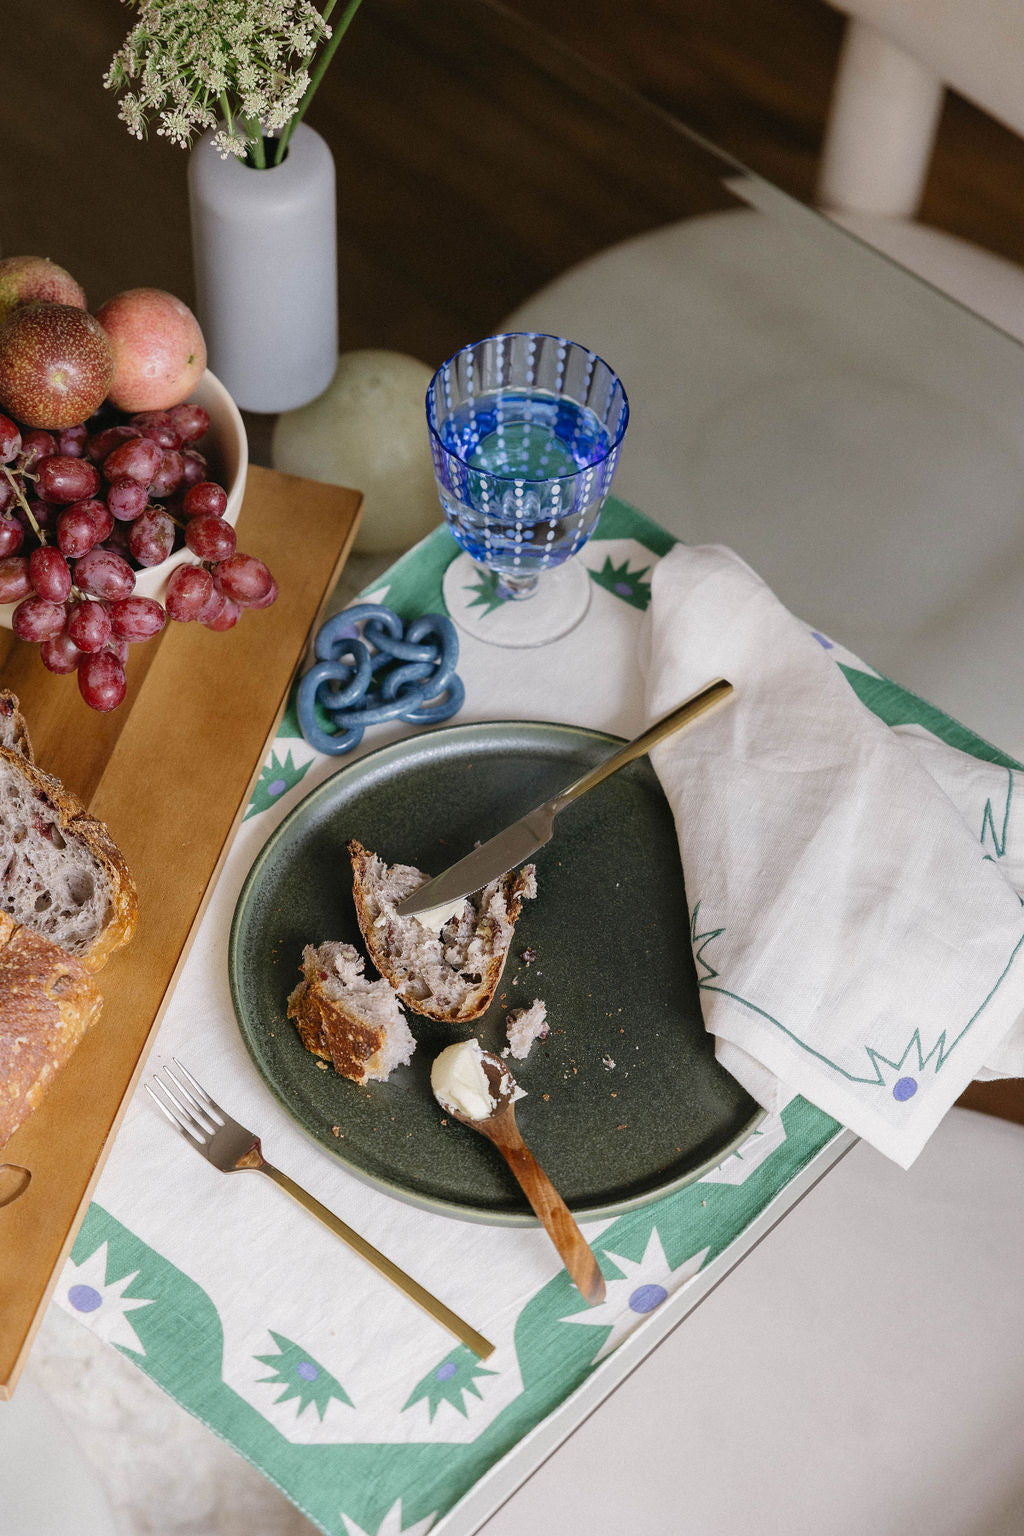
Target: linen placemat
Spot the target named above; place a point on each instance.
(265, 1327)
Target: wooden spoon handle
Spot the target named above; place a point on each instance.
(558, 1221)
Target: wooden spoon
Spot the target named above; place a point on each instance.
(500, 1128)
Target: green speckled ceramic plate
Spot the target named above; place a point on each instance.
(625, 1100)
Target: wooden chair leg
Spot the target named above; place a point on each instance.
(884, 115)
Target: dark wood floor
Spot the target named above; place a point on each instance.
(756, 76)
(475, 160)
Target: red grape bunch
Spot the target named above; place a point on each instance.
(83, 509)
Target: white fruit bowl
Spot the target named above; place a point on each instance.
(226, 450)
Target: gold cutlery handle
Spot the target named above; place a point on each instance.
(697, 704)
(384, 1266)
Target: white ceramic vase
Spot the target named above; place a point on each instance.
(264, 244)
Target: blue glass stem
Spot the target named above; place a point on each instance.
(514, 588)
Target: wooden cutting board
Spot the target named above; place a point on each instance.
(170, 772)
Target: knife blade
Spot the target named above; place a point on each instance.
(516, 843)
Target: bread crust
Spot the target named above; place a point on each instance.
(514, 886)
(48, 1000)
(76, 824)
(12, 725)
(334, 1032)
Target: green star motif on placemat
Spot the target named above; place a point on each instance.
(486, 589)
(624, 583)
(301, 1376)
(448, 1382)
(277, 776)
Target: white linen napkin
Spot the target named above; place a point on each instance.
(858, 935)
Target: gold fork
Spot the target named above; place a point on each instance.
(231, 1148)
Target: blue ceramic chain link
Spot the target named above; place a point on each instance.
(389, 673)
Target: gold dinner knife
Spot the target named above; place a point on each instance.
(509, 848)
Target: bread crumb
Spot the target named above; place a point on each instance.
(524, 1027)
(321, 1066)
(607, 1062)
(621, 1127)
(335, 1130)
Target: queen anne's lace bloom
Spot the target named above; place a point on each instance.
(240, 66)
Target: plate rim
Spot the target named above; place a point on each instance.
(431, 1203)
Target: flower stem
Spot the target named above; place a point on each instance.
(257, 154)
(318, 73)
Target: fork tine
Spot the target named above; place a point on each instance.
(169, 1108)
(210, 1105)
(178, 1091)
(202, 1124)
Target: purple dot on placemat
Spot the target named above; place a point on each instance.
(85, 1298)
(307, 1370)
(445, 1372)
(904, 1088)
(278, 787)
(623, 588)
(821, 639)
(646, 1297)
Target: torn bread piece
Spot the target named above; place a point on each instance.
(524, 1027)
(13, 730)
(48, 1000)
(347, 1019)
(450, 976)
(60, 872)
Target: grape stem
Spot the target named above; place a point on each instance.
(19, 497)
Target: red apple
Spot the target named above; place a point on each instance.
(28, 279)
(56, 365)
(159, 351)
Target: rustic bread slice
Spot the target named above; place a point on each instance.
(60, 872)
(449, 976)
(47, 1002)
(13, 730)
(346, 1018)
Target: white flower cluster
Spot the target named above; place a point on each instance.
(238, 66)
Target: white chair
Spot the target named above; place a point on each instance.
(898, 58)
(841, 426)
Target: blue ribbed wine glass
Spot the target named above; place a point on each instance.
(525, 431)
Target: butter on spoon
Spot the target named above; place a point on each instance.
(476, 1088)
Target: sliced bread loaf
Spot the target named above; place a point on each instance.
(344, 1017)
(47, 1002)
(61, 874)
(449, 976)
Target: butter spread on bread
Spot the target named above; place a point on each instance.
(450, 976)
